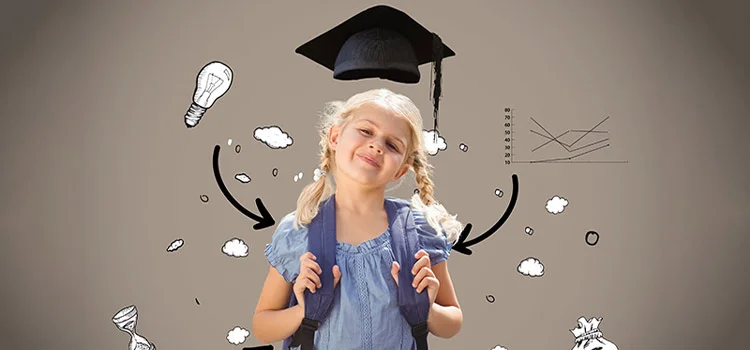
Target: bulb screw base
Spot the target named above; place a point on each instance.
(193, 115)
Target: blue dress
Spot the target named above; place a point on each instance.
(366, 315)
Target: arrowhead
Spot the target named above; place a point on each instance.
(266, 220)
(460, 246)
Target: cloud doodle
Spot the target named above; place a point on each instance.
(235, 247)
(273, 137)
(531, 267)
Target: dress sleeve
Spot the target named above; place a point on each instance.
(434, 243)
(287, 245)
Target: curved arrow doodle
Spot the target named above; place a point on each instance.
(264, 220)
(462, 246)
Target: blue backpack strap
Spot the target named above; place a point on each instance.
(414, 306)
(322, 243)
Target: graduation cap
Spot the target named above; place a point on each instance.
(380, 42)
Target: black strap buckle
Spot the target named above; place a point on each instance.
(305, 334)
(419, 330)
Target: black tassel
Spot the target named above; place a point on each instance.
(437, 55)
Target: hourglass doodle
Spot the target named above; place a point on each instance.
(126, 320)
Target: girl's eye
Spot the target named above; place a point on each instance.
(390, 145)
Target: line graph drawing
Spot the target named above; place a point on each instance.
(570, 146)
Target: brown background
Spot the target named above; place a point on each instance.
(100, 174)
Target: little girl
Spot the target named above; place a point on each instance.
(367, 142)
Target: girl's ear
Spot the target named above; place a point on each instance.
(404, 169)
(333, 136)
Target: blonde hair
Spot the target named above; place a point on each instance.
(339, 113)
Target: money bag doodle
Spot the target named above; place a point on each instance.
(589, 337)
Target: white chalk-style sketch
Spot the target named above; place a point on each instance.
(126, 320)
(242, 177)
(204, 198)
(556, 205)
(298, 177)
(235, 247)
(499, 192)
(589, 337)
(529, 230)
(317, 173)
(531, 267)
(273, 137)
(229, 142)
(498, 347)
(463, 147)
(433, 142)
(212, 82)
(237, 335)
(176, 244)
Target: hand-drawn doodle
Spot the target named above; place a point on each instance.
(463, 147)
(529, 230)
(498, 347)
(229, 142)
(556, 205)
(126, 319)
(531, 267)
(298, 177)
(462, 245)
(235, 247)
(242, 177)
(275, 172)
(499, 192)
(204, 198)
(212, 82)
(237, 335)
(197, 302)
(176, 244)
(592, 241)
(560, 151)
(433, 142)
(317, 174)
(589, 337)
(490, 298)
(265, 219)
(237, 148)
(273, 137)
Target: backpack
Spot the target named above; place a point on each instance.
(322, 243)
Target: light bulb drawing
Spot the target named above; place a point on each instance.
(212, 82)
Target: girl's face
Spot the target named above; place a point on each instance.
(371, 148)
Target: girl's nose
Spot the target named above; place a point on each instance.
(376, 148)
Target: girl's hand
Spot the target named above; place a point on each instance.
(309, 277)
(423, 275)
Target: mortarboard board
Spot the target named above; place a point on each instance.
(380, 42)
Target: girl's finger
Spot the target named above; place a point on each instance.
(312, 265)
(307, 255)
(423, 273)
(427, 282)
(311, 286)
(422, 262)
(394, 272)
(311, 275)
